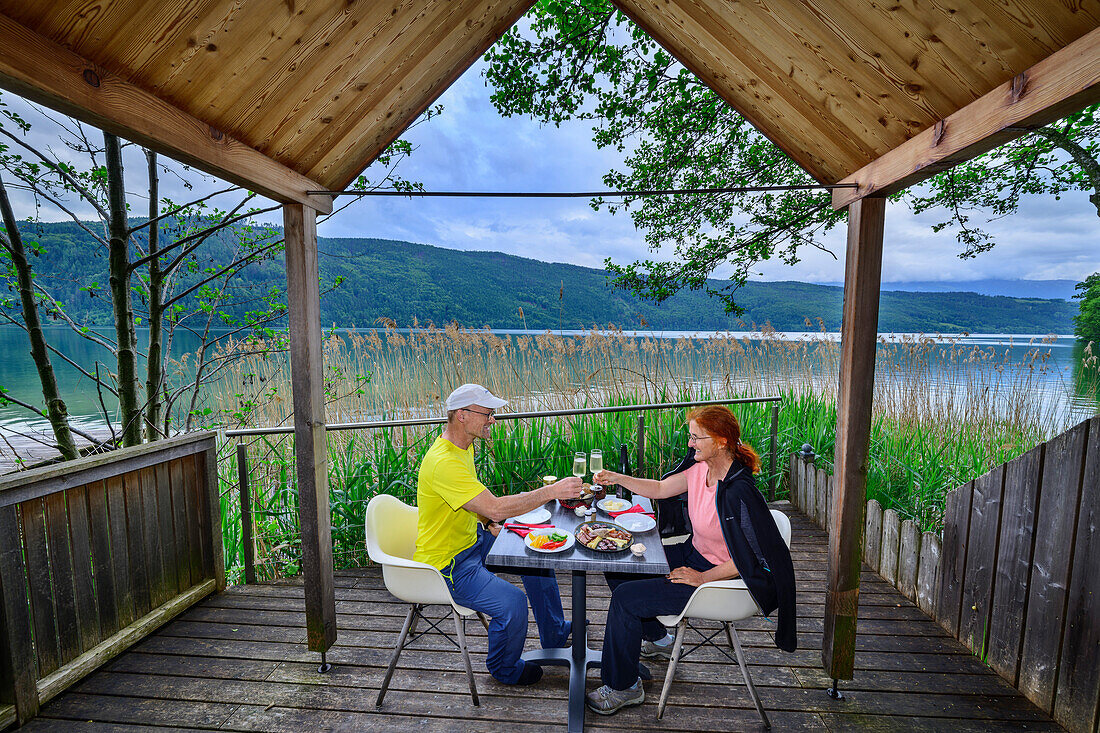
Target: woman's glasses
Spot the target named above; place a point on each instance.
(697, 438)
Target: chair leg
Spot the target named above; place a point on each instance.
(735, 644)
(460, 630)
(671, 667)
(484, 621)
(409, 619)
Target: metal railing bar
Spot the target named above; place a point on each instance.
(414, 422)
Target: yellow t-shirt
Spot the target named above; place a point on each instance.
(446, 481)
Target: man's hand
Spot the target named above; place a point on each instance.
(567, 488)
(494, 528)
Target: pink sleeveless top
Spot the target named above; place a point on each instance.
(703, 513)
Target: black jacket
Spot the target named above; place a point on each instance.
(753, 540)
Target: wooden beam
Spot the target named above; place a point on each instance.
(858, 339)
(44, 72)
(310, 448)
(1062, 83)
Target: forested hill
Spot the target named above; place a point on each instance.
(402, 281)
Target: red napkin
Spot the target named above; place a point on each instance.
(636, 509)
(525, 529)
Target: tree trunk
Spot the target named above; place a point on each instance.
(154, 372)
(119, 257)
(56, 411)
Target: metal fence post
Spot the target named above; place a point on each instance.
(774, 452)
(641, 445)
(246, 515)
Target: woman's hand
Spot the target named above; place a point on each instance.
(605, 477)
(687, 576)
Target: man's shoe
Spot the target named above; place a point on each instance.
(605, 701)
(653, 650)
(531, 674)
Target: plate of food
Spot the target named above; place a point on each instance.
(604, 536)
(612, 504)
(535, 516)
(589, 494)
(549, 539)
(636, 521)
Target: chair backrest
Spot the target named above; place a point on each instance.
(391, 541)
(783, 523)
(729, 600)
(391, 528)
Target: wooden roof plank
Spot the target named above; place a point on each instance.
(1065, 81)
(860, 66)
(356, 71)
(42, 71)
(762, 106)
(346, 155)
(804, 78)
(294, 69)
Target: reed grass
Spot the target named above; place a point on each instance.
(944, 413)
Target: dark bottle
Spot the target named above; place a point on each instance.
(624, 468)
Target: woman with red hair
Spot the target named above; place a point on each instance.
(732, 535)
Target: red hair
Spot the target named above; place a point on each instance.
(723, 426)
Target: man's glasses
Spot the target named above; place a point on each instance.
(489, 415)
(697, 438)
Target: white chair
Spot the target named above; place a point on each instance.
(725, 601)
(391, 540)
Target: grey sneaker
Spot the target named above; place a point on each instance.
(606, 701)
(653, 650)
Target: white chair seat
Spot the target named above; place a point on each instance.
(724, 601)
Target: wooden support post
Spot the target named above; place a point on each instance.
(774, 457)
(310, 450)
(859, 336)
(247, 547)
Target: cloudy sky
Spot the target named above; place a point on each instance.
(470, 147)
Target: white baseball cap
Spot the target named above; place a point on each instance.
(473, 394)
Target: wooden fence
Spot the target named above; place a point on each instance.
(1015, 576)
(97, 553)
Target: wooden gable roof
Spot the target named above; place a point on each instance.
(321, 87)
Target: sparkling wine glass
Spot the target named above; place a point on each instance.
(595, 462)
(580, 465)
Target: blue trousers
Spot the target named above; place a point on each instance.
(473, 586)
(632, 615)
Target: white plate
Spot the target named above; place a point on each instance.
(613, 504)
(535, 516)
(569, 539)
(636, 522)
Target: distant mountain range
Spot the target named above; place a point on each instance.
(1060, 289)
(403, 281)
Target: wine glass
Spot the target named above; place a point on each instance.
(580, 465)
(595, 461)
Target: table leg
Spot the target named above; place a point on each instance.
(578, 656)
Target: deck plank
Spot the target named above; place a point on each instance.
(238, 661)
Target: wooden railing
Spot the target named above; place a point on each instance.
(1015, 575)
(97, 553)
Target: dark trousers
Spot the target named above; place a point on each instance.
(632, 616)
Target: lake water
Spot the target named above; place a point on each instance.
(23, 433)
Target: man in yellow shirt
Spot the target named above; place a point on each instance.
(450, 501)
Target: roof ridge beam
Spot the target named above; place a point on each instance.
(40, 70)
(1062, 83)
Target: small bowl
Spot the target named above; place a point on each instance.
(637, 549)
(598, 492)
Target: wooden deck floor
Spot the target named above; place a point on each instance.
(238, 661)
